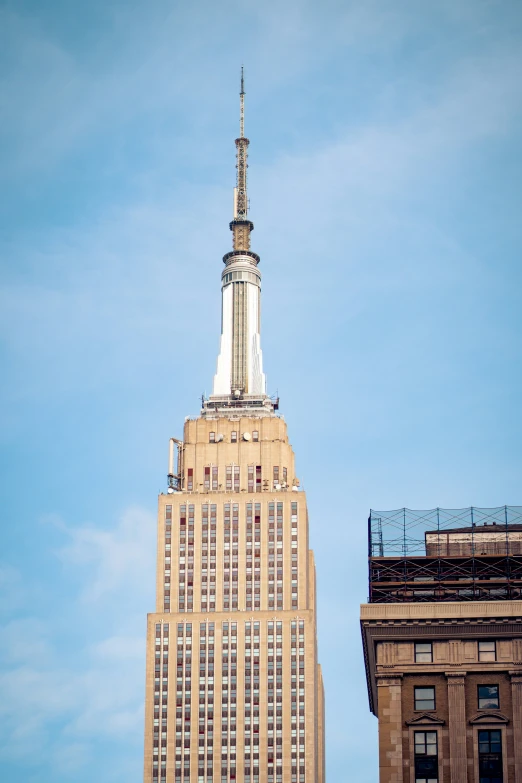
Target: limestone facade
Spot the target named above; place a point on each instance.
(449, 674)
(234, 689)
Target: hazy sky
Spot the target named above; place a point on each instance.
(385, 185)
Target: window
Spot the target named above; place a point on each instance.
(233, 436)
(190, 479)
(488, 697)
(426, 759)
(424, 698)
(490, 756)
(211, 437)
(423, 652)
(255, 436)
(487, 651)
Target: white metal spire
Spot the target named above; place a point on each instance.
(239, 379)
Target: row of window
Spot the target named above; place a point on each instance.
(489, 756)
(228, 699)
(487, 696)
(241, 274)
(232, 478)
(231, 557)
(487, 651)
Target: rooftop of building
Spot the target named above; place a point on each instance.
(431, 556)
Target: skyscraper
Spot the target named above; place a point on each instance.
(233, 685)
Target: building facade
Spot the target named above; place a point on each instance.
(233, 685)
(442, 637)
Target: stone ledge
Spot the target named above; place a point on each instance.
(439, 611)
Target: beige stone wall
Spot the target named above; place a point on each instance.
(272, 449)
(390, 729)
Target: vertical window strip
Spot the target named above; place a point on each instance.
(257, 557)
(182, 564)
(167, 558)
(279, 701)
(215, 484)
(156, 720)
(279, 555)
(226, 556)
(235, 556)
(271, 556)
(247, 715)
(225, 705)
(270, 669)
(294, 534)
(206, 703)
(183, 700)
(256, 641)
(301, 702)
(190, 559)
(204, 557)
(164, 700)
(212, 570)
(187, 701)
(248, 556)
(209, 737)
(293, 698)
(233, 701)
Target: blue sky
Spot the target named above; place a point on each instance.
(385, 185)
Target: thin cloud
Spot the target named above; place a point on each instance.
(118, 560)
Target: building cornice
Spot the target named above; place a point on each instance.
(402, 622)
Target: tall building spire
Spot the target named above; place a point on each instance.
(235, 583)
(241, 226)
(239, 381)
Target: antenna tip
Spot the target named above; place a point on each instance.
(242, 81)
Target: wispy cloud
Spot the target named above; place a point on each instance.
(120, 559)
(62, 704)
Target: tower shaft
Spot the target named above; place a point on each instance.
(234, 687)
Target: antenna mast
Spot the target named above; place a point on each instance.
(242, 106)
(240, 196)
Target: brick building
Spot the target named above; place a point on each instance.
(442, 637)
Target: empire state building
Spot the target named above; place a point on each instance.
(233, 685)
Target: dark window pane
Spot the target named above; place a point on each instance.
(488, 697)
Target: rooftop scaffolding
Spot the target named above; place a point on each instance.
(469, 554)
